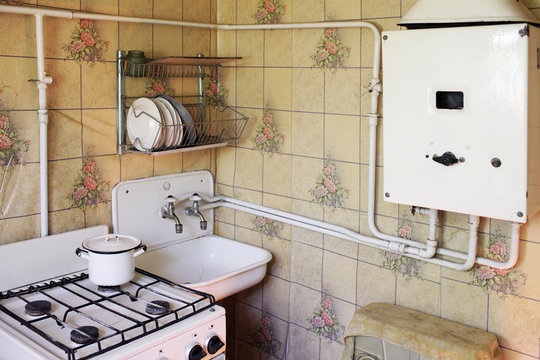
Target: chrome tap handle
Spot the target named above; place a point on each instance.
(195, 197)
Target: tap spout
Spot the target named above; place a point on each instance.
(168, 213)
(193, 210)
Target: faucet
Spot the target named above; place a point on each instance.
(168, 213)
(194, 210)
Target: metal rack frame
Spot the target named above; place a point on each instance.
(211, 127)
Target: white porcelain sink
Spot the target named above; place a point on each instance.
(211, 263)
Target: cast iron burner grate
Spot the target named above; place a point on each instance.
(85, 342)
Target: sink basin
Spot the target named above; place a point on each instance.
(211, 263)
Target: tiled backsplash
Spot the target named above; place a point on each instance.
(320, 122)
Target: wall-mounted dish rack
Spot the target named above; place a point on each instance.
(211, 126)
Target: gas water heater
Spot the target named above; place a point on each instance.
(461, 109)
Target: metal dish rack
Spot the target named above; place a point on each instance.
(212, 126)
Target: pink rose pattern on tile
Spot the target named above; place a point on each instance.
(156, 86)
(267, 227)
(269, 12)
(324, 321)
(397, 263)
(330, 52)
(88, 188)
(267, 138)
(328, 190)
(501, 281)
(85, 44)
(263, 337)
(216, 94)
(12, 147)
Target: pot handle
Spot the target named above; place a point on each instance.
(81, 253)
(142, 248)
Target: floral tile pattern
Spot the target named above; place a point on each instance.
(325, 322)
(328, 190)
(156, 86)
(267, 136)
(399, 264)
(216, 94)
(330, 52)
(86, 44)
(88, 188)
(11, 146)
(267, 227)
(269, 12)
(503, 282)
(264, 337)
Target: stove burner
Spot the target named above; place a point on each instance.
(92, 334)
(37, 308)
(108, 289)
(158, 307)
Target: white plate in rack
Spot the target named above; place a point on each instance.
(143, 124)
(168, 119)
(190, 131)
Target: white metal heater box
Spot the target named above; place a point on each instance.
(461, 119)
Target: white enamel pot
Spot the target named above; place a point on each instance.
(111, 258)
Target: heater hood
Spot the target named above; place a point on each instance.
(439, 13)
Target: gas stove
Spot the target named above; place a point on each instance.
(66, 316)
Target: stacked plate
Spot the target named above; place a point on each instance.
(159, 123)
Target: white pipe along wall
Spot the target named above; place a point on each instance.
(415, 249)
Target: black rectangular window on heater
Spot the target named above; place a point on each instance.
(451, 100)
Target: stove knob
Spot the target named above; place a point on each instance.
(196, 353)
(214, 344)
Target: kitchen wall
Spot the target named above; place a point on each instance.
(82, 103)
(310, 157)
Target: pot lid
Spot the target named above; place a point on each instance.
(111, 243)
(428, 13)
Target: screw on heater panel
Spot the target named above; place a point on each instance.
(387, 194)
(520, 214)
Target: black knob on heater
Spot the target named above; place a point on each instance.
(196, 353)
(214, 344)
(446, 159)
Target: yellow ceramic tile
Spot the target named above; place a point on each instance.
(64, 133)
(369, 254)
(280, 265)
(374, 284)
(62, 176)
(255, 118)
(135, 36)
(100, 6)
(277, 88)
(223, 229)
(17, 92)
(250, 87)
(225, 165)
(367, 39)
(304, 175)
(351, 39)
(342, 91)
(213, 11)
(25, 122)
(245, 14)
(275, 291)
(226, 12)
(308, 90)
(226, 44)
(460, 302)
(18, 229)
(20, 195)
(407, 291)
(282, 119)
(213, 41)
(343, 10)
(304, 44)
(304, 343)
(109, 169)
(380, 8)
(248, 236)
(531, 229)
(248, 169)
(98, 215)
(521, 333)
(342, 137)
(527, 264)
(66, 220)
(99, 132)
(196, 41)
(509, 354)
(21, 39)
(308, 11)
(303, 301)
(197, 11)
(339, 272)
(307, 134)
(63, 4)
(136, 8)
(329, 351)
(168, 164)
(134, 166)
(340, 246)
(250, 47)
(197, 160)
(277, 175)
(168, 9)
(281, 203)
(306, 265)
(99, 85)
(381, 206)
(278, 48)
(65, 91)
(406, 6)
